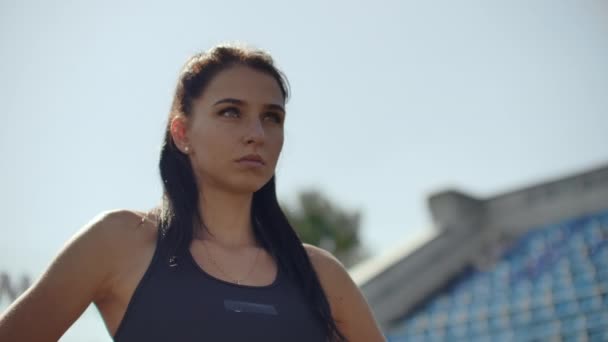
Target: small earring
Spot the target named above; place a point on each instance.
(187, 149)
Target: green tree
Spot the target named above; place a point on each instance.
(321, 223)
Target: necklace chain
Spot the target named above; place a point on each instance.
(237, 281)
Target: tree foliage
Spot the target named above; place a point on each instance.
(320, 222)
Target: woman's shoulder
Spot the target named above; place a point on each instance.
(348, 305)
(129, 224)
(124, 216)
(124, 228)
(126, 219)
(331, 272)
(122, 240)
(321, 258)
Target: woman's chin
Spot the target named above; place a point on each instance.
(249, 186)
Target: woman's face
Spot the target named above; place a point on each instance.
(240, 114)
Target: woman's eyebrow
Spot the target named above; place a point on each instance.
(243, 103)
(275, 107)
(230, 100)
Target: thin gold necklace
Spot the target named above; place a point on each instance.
(237, 281)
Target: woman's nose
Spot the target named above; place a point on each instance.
(255, 132)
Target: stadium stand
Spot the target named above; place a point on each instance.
(530, 265)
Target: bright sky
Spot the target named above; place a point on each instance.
(392, 101)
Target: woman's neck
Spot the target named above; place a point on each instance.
(227, 216)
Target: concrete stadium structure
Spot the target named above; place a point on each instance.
(547, 240)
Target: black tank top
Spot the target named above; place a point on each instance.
(177, 301)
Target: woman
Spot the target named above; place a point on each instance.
(217, 260)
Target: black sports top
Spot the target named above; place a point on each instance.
(177, 301)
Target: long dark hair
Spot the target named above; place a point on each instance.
(178, 213)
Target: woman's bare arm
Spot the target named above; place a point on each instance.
(350, 310)
(75, 278)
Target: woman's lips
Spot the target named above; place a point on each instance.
(250, 163)
(252, 160)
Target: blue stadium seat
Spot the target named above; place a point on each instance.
(552, 284)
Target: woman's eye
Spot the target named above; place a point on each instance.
(274, 117)
(229, 112)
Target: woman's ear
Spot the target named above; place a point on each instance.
(179, 129)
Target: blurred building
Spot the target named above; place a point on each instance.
(528, 265)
